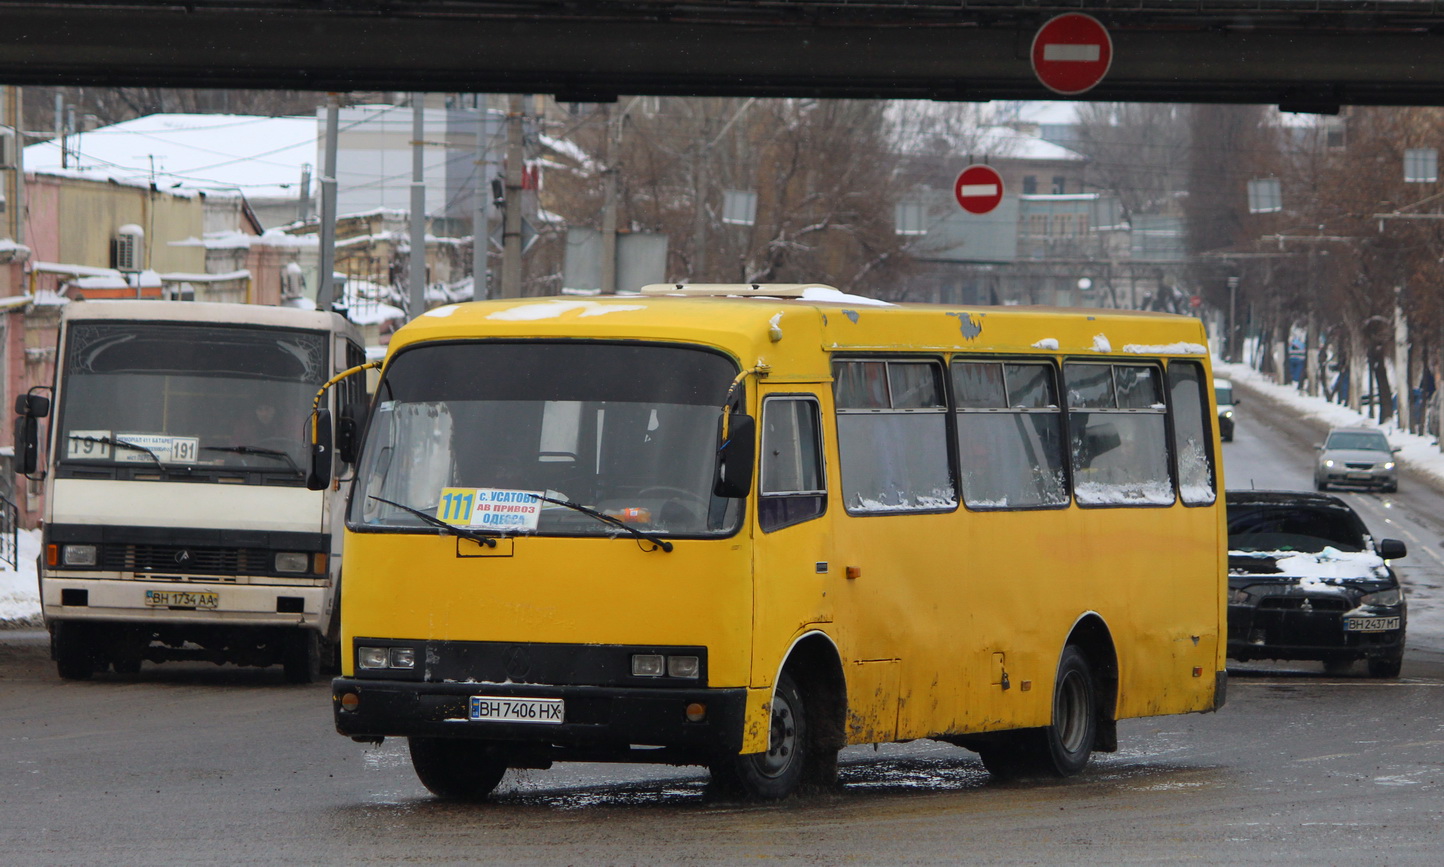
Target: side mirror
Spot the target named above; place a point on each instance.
(1396, 449)
(319, 478)
(735, 457)
(350, 425)
(27, 444)
(32, 405)
(1392, 549)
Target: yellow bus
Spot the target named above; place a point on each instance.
(746, 526)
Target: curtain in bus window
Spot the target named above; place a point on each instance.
(1010, 460)
(1191, 432)
(1010, 444)
(1119, 454)
(894, 461)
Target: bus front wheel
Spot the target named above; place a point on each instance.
(456, 770)
(73, 650)
(777, 773)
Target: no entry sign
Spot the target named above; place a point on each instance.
(1072, 53)
(979, 189)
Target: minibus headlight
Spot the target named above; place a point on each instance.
(1228, 413)
(1329, 463)
(373, 657)
(1388, 465)
(79, 555)
(683, 666)
(403, 657)
(648, 665)
(292, 561)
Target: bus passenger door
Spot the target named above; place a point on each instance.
(793, 547)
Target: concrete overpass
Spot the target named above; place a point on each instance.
(1306, 54)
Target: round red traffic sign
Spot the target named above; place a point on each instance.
(1072, 53)
(979, 189)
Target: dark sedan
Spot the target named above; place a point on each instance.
(1307, 581)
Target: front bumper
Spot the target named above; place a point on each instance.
(1262, 633)
(1344, 477)
(123, 600)
(601, 723)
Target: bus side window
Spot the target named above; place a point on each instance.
(1118, 426)
(1191, 424)
(1010, 442)
(892, 436)
(792, 488)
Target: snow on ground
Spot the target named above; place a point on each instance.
(1420, 455)
(1420, 459)
(19, 592)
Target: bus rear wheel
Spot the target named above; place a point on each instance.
(777, 773)
(1063, 748)
(456, 770)
(301, 656)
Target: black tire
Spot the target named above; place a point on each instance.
(777, 773)
(1338, 666)
(301, 656)
(73, 650)
(1067, 744)
(1062, 748)
(456, 770)
(1386, 666)
(1320, 485)
(1011, 757)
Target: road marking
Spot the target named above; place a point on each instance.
(1302, 681)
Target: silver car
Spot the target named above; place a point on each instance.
(1356, 457)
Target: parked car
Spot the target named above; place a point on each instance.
(1356, 457)
(1307, 580)
(1223, 396)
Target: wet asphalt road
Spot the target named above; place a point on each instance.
(203, 765)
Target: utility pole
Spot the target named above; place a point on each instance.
(325, 277)
(481, 205)
(609, 207)
(1232, 354)
(511, 216)
(416, 262)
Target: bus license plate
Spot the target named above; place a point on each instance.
(491, 708)
(1370, 624)
(182, 599)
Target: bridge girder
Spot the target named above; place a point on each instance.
(1304, 54)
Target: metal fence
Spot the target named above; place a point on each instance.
(9, 532)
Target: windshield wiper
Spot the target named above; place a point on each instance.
(440, 524)
(657, 541)
(122, 444)
(257, 450)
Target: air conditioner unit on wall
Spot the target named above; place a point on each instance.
(125, 248)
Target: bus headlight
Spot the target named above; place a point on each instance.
(291, 561)
(402, 657)
(372, 657)
(79, 555)
(648, 665)
(683, 666)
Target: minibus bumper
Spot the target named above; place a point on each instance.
(599, 723)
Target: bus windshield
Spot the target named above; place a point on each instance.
(155, 397)
(627, 430)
